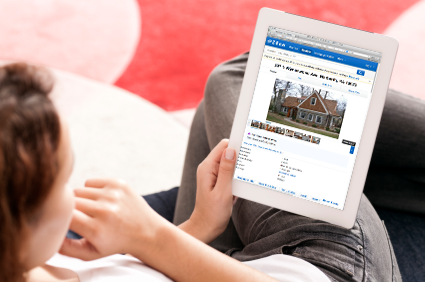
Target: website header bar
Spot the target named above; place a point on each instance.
(322, 54)
(324, 44)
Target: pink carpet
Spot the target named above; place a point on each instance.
(182, 41)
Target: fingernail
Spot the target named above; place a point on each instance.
(229, 154)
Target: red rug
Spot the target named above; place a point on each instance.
(182, 41)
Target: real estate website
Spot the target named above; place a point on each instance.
(307, 115)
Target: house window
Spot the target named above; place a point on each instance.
(310, 117)
(285, 109)
(313, 101)
(302, 115)
(318, 119)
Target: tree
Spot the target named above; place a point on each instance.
(304, 90)
(278, 85)
(341, 106)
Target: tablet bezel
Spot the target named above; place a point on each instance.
(375, 42)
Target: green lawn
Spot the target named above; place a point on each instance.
(279, 119)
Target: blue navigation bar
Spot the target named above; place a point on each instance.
(321, 54)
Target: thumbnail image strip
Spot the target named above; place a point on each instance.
(285, 132)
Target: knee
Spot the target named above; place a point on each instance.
(218, 80)
(226, 78)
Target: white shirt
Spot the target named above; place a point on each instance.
(129, 269)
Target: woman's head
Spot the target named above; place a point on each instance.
(35, 164)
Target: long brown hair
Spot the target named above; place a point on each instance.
(29, 139)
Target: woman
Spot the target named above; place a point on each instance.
(37, 207)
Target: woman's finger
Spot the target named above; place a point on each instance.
(103, 182)
(81, 249)
(82, 224)
(89, 207)
(215, 155)
(88, 193)
(226, 170)
(97, 182)
(208, 169)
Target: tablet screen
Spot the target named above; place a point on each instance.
(307, 116)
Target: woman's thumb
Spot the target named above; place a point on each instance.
(227, 168)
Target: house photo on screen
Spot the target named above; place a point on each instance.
(308, 108)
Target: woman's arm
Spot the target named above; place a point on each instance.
(183, 258)
(169, 250)
(112, 218)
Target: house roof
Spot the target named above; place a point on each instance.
(291, 102)
(325, 105)
(331, 106)
(319, 106)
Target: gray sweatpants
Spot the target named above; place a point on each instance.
(363, 253)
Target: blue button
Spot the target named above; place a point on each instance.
(360, 72)
(352, 150)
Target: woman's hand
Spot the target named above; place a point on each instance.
(112, 218)
(214, 199)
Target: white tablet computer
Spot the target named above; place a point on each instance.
(308, 115)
